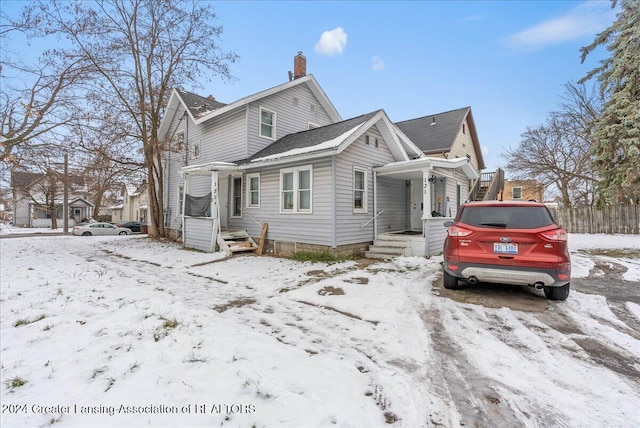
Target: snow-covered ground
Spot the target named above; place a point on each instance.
(126, 331)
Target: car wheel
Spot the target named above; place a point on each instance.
(122, 233)
(557, 293)
(450, 282)
(86, 233)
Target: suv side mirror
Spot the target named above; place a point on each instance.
(448, 223)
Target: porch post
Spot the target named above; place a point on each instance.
(185, 190)
(426, 208)
(375, 205)
(215, 211)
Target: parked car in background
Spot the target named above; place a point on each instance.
(99, 229)
(507, 242)
(135, 226)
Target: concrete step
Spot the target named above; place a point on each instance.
(392, 251)
(390, 243)
(380, 256)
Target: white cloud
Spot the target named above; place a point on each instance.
(377, 63)
(586, 19)
(332, 42)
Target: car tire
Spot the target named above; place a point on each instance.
(449, 282)
(557, 293)
(122, 233)
(86, 233)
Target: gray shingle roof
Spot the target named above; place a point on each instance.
(197, 104)
(310, 138)
(436, 132)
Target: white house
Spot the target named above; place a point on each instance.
(284, 157)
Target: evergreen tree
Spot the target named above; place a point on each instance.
(616, 148)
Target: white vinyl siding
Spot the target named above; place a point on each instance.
(348, 221)
(313, 227)
(290, 118)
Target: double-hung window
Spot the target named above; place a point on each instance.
(237, 197)
(296, 189)
(516, 193)
(359, 190)
(180, 199)
(267, 124)
(253, 190)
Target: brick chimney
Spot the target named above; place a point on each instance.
(299, 66)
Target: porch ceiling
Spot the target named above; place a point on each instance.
(413, 169)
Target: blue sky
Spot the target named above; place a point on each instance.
(508, 60)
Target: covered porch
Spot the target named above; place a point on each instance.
(434, 190)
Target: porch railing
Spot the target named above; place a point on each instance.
(370, 220)
(251, 217)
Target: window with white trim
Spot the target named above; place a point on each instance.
(180, 199)
(359, 190)
(516, 193)
(195, 151)
(267, 124)
(236, 191)
(180, 141)
(253, 190)
(296, 189)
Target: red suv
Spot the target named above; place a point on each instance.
(507, 242)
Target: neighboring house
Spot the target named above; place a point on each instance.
(523, 190)
(133, 204)
(33, 196)
(285, 157)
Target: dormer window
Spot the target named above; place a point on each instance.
(267, 124)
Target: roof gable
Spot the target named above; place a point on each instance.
(201, 109)
(334, 138)
(436, 133)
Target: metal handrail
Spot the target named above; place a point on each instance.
(249, 215)
(370, 220)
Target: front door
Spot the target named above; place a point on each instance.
(416, 205)
(223, 198)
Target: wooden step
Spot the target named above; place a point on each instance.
(232, 241)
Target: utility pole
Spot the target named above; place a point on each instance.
(65, 202)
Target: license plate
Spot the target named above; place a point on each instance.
(505, 248)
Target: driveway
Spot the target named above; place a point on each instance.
(605, 280)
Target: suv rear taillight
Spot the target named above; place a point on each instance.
(559, 235)
(458, 231)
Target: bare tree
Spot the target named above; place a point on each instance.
(38, 99)
(140, 50)
(557, 152)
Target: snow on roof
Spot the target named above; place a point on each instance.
(326, 145)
